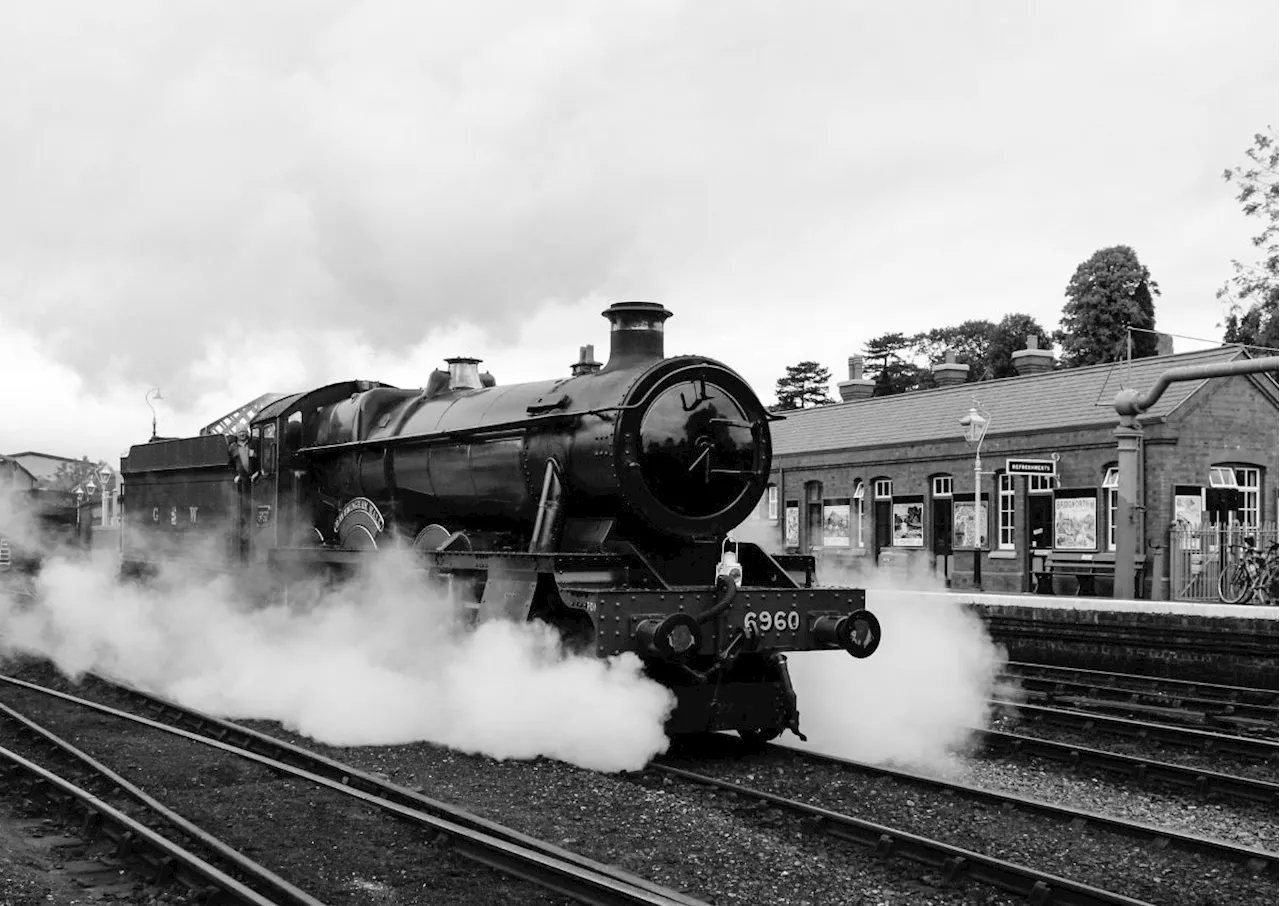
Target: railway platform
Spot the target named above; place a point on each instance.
(1214, 643)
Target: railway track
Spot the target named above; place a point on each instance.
(1240, 709)
(1191, 855)
(156, 857)
(1142, 771)
(472, 837)
(1260, 751)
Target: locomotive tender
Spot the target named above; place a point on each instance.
(600, 502)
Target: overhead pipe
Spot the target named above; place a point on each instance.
(1129, 405)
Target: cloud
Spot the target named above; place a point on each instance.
(194, 196)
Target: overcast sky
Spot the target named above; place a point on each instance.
(221, 199)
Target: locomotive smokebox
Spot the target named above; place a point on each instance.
(635, 333)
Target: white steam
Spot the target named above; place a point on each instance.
(381, 661)
(915, 701)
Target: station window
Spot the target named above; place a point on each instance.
(1041, 484)
(943, 486)
(884, 488)
(1248, 480)
(855, 516)
(1006, 484)
(1111, 486)
(773, 502)
(1222, 477)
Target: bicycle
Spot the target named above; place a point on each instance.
(1253, 575)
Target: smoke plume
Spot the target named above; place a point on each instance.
(915, 700)
(380, 661)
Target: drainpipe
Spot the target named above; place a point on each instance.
(1129, 405)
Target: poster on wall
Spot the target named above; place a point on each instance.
(793, 525)
(1188, 511)
(908, 525)
(1075, 524)
(835, 525)
(962, 534)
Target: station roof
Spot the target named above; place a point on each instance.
(1056, 400)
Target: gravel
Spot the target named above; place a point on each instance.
(723, 853)
(1092, 856)
(1220, 762)
(1235, 821)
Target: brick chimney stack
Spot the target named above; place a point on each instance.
(948, 372)
(1033, 359)
(857, 387)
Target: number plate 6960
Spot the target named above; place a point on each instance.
(779, 621)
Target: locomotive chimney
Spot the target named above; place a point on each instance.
(586, 363)
(464, 373)
(635, 333)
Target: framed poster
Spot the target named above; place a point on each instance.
(1075, 523)
(791, 536)
(908, 525)
(962, 527)
(835, 523)
(1188, 511)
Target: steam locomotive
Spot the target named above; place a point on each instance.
(601, 502)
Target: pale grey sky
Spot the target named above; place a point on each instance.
(222, 200)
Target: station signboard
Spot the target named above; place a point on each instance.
(1031, 466)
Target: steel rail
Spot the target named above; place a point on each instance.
(1246, 855)
(473, 837)
(1133, 682)
(954, 862)
(280, 890)
(1265, 750)
(130, 835)
(1141, 699)
(1142, 770)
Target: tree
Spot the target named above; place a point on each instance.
(1255, 290)
(1108, 293)
(806, 384)
(1009, 336)
(893, 374)
(70, 474)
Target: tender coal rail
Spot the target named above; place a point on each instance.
(1259, 750)
(473, 837)
(1241, 709)
(1142, 771)
(160, 858)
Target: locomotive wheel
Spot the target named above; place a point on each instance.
(756, 739)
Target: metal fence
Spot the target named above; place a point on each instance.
(1199, 555)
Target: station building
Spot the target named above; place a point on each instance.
(869, 481)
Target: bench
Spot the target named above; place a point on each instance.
(1084, 568)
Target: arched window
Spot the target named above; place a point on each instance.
(857, 512)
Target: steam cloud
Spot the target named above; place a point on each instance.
(916, 699)
(378, 662)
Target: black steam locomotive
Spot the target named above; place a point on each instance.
(600, 502)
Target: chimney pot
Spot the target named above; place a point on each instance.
(1033, 342)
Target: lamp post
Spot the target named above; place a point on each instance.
(104, 472)
(975, 424)
(148, 398)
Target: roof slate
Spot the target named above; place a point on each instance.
(1069, 398)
